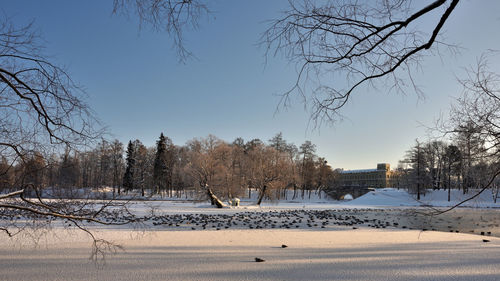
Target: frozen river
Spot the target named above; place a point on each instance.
(185, 241)
(182, 216)
(341, 254)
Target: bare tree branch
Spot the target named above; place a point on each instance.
(475, 118)
(172, 16)
(42, 112)
(352, 42)
(12, 194)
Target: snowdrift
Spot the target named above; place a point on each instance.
(435, 198)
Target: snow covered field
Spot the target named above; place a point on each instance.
(326, 239)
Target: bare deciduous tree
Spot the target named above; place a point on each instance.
(477, 114)
(42, 111)
(209, 163)
(268, 170)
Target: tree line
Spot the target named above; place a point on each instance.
(456, 164)
(468, 155)
(229, 169)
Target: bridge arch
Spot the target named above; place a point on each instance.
(339, 193)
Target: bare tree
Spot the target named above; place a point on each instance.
(477, 114)
(268, 170)
(209, 166)
(360, 42)
(117, 164)
(42, 111)
(181, 181)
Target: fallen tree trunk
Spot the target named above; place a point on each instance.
(215, 201)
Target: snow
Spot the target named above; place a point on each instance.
(384, 197)
(348, 197)
(289, 196)
(358, 171)
(391, 197)
(336, 252)
(361, 254)
(379, 198)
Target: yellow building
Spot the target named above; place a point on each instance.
(374, 178)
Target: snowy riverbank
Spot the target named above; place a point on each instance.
(433, 198)
(384, 197)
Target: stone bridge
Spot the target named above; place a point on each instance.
(338, 193)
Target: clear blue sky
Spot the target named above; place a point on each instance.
(138, 89)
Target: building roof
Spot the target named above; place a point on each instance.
(359, 171)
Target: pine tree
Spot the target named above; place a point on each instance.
(160, 170)
(128, 177)
(69, 171)
(278, 142)
(308, 152)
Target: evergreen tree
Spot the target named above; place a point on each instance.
(471, 144)
(452, 159)
(419, 175)
(128, 177)
(161, 169)
(6, 174)
(69, 171)
(278, 143)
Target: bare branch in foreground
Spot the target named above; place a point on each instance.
(172, 16)
(356, 44)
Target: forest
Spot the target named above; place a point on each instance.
(228, 169)
(241, 167)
